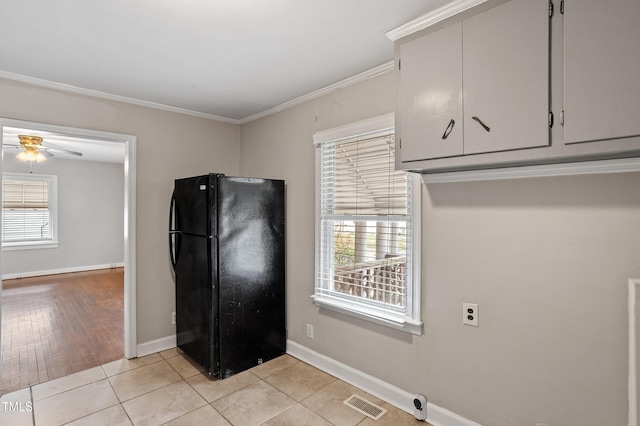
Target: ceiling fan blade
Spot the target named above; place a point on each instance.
(55, 148)
(9, 146)
(46, 153)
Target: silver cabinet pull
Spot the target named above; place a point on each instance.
(484, 126)
(449, 128)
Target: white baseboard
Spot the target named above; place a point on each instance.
(158, 345)
(437, 416)
(61, 271)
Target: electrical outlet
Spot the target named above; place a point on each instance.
(173, 318)
(310, 331)
(470, 314)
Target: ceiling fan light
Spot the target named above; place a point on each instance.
(31, 154)
(24, 156)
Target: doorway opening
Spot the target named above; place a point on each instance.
(93, 145)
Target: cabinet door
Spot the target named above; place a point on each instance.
(430, 119)
(601, 69)
(506, 77)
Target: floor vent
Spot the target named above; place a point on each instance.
(365, 407)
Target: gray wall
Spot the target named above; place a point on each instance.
(546, 259)
(169, 146)
(90, 217)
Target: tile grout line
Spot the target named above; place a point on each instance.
(118, 398)
(210, 404)
(318, 391)
(203, 398)
(66, 390)
(132, 369)
(184, 379)
(120, 402)
(146, 393)
(33, 406)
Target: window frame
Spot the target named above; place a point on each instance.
(410, 320)
(52, 180)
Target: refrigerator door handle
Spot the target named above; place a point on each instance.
(173, 235)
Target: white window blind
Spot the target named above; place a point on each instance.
(27, 215)
(359, 177)
(364, 254)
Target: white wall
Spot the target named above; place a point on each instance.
(169, 146)
(546, 259)
(90, 217)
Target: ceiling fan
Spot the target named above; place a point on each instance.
(34, 149)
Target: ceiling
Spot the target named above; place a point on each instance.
(224, 59)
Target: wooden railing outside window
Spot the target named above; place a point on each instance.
(383, 280)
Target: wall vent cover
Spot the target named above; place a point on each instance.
(365, 407)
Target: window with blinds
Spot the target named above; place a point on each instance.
(27, 209)
(364, 254)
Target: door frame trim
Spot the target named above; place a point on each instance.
(130, 142)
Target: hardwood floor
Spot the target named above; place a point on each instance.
(56, 325)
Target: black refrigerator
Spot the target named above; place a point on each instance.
(227, 249)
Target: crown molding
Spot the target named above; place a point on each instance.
(103, 95)
(433, 17)
(374, 72)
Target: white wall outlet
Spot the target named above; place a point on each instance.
(173, 318)
(470, 314)
(310, 331)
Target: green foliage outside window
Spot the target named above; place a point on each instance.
(344, 246)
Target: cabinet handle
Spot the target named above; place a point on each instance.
(484, 126)
(449, 128)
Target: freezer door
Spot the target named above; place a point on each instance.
(195, 265)
(194, 319)
(191, 213)
(251, 272)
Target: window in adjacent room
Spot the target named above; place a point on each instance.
(367, 225)
(28, 211)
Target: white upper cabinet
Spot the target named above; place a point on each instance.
(476, 86)
(430, 98)
(601, 70)
(506, 77)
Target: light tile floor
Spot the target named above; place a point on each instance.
(167, 389)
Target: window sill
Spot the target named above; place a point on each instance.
(31, 245)
(367, 313)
